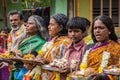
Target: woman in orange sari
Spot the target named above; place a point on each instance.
(55, 48)
(104, 53)
(58, 44)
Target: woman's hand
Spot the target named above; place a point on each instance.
(3, 64)
(18, 53)
(88, 71)
(66, 69)
(97, 76)
(29, 66)
(42, 60)
(45, 61)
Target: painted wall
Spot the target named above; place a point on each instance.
(58, 6)
(10, 6)
(85, 8)
(1, 14)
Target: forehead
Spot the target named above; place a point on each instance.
(74, 29)
(31, 19)
(52, 20)
(14, 16)
(98, 23)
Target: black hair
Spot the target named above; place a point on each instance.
(7, 30)
(86, 22)
(61, 20)
(107, 21)
(16, 12)
(76, 23)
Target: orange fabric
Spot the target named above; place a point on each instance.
(19, 32)
(95, 56)
(61, 40)
(10, 68)
(54, 52)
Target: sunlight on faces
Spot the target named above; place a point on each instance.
(101, 32)
(54, 28)
(75, 34)
(15, 21)
(31, 27)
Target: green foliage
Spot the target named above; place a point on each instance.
(35, 3)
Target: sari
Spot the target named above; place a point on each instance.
(56, 50)
(4, 72)
(97, 55)
(88, 40)
(31, 43)
(2, 45)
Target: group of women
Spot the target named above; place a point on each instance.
(66, 41)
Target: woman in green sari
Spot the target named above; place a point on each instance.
(34, 39)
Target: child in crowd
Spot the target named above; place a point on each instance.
(74, 52)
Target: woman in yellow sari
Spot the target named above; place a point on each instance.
(104, 53)
(55, 48)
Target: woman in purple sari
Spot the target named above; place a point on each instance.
(4, 72)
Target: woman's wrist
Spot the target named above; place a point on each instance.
(105, 76)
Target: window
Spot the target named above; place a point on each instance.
(109, 8)
(72, 8)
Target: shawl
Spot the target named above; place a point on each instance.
(55, 51)
(88, 39)
(95, 57)
(15, 37)
(57, 48)
(31, 43)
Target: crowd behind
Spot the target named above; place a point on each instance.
(67, 44)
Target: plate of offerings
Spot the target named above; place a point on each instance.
(78, 78)
(50, 68)
(28, 61)
(15, 59)
(112, 71)
(6, 56)
(78, 75)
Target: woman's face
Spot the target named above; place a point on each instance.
(31, 27)
(101, 32)
(54, 28)
(75, 34)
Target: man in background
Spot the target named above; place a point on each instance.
(17, 29)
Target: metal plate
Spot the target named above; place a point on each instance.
(111, 72)
(48, 67)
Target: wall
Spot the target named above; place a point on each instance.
(1, 14)
(58, 6)
(10, 6)
(85, 8)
